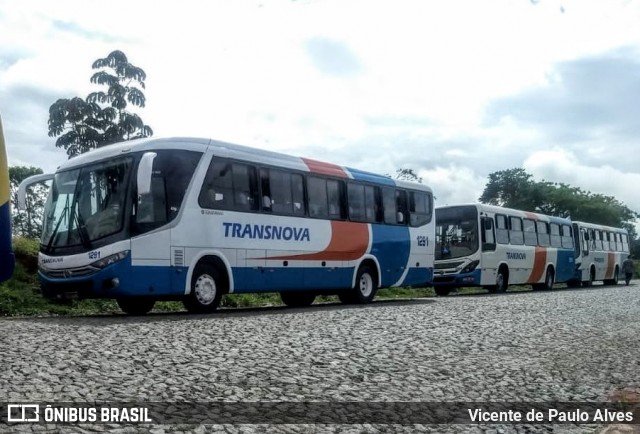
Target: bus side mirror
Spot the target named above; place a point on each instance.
(26, 183)
(145, 170)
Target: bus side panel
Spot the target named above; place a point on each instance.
(151, 264)
(391, 246)
(565, 265)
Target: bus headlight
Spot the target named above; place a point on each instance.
(470, 267)
(112, 259)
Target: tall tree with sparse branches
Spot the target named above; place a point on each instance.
(102, 117)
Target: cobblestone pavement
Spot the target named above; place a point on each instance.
(563, 345)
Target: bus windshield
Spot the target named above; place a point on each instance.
(86, 204)
(456, 232)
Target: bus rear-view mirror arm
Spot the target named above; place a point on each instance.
(26, 183)
(145, 170)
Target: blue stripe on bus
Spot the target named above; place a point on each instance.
(359, 175)
(391, 246)
(7, 259)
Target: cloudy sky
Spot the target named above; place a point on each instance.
(453, 89)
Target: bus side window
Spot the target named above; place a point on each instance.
(502, 230)
(389, 205)
(555, 238)
(317, 195)
(355, 199)
(543, 233)
(566, 238)
(516, 236)
(401, 207)
(419, 208)
(530, 238)
(335, 198)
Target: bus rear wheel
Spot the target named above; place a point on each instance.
(502, 281)
(592, 277)
(549, 280)
(364, 290)
(297, 298)
(136, 305)
(206, 290)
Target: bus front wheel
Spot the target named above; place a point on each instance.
(549, 280)
(136, 305)
(502, 281)
(442, 292)
(206, 290)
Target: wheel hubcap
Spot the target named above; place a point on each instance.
(205, 289)
(366, 285)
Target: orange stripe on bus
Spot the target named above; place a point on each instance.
(349, 241)
(539, 265)
(611, 260)
(323, 168)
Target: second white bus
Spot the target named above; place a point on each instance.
(494, 247)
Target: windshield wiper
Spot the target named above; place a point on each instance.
(82, 230)
(55, 230)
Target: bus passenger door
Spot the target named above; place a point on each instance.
(151, 249)
(584, 247)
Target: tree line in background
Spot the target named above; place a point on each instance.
(515, 188)
(102, 119)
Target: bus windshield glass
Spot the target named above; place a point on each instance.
(86, 204)
(456, 232)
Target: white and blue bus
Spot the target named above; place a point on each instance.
(600, 251)
(7, 259)
(494, 247)
(193, 219)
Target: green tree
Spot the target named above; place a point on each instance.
(102, 117)
(512, 188)
(27, 223)
(515, 188)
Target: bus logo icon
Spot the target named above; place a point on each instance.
(23, 413)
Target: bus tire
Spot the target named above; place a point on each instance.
(592, 277)
(136, 305)
(502, 280)
(206, 289)
(364, 290)
(442, 291)
(297, 298)
(549, 280)
(573, 283)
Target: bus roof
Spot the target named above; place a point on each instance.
(600, 227)
(234, 151)
(510, 211)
